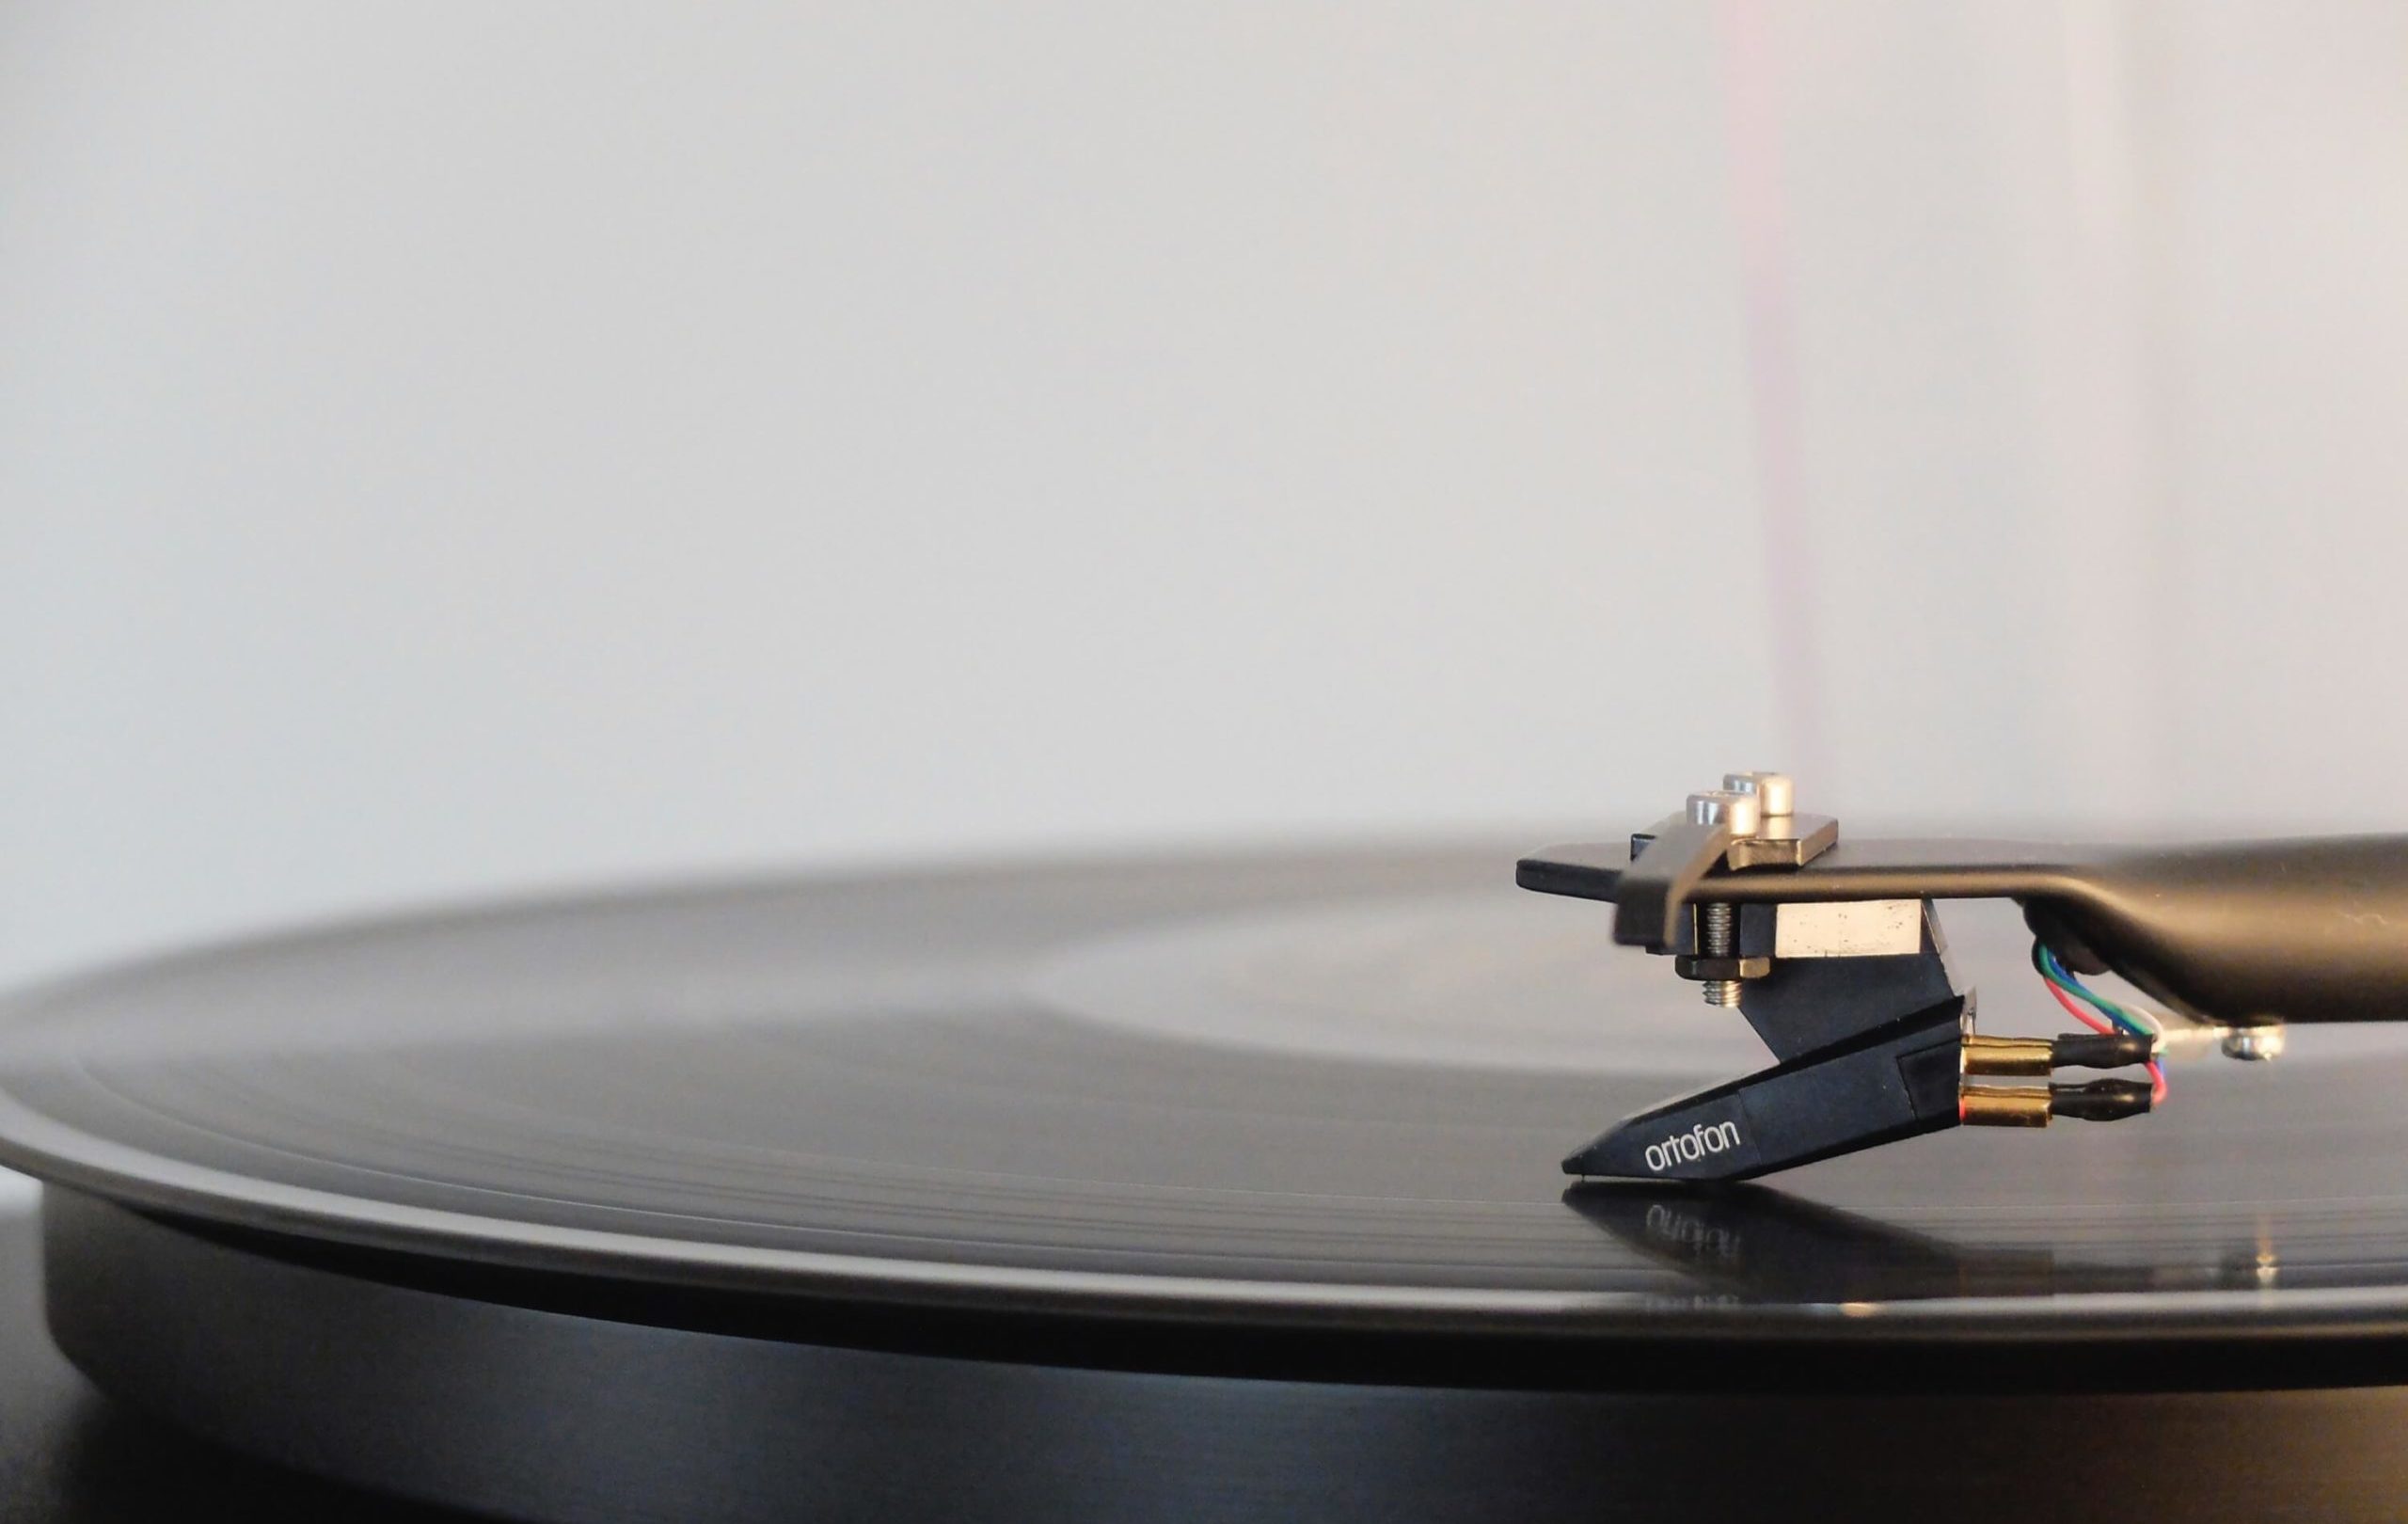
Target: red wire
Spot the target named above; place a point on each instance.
(2098, 1023)
(2081, 1012)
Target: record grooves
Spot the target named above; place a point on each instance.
(1196, 1187)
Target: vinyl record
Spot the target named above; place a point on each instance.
(1214, 1190)
(1292, 1092)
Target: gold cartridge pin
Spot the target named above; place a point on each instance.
(2003, 1105)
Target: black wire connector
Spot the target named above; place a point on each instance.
(2100, 1050)
(2105, 1099)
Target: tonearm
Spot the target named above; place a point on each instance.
(1831, 951)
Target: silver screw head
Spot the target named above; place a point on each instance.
(2254, 1044)
(1738, 814)
(1775, 794)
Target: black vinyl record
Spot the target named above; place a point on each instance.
(1128, 1178)
(1308, 1089)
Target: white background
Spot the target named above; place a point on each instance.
(453, 449)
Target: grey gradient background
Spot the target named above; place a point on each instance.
(456, 448)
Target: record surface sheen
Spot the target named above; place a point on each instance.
(1297, 1089)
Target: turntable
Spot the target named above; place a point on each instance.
(1200, 1188)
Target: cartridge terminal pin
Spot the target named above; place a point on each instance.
(2004, 1105)
(2009, 1056)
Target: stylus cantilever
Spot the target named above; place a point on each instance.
(1832, 952)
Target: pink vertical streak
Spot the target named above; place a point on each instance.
(1752, 101)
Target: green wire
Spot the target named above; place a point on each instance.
(2057, 973)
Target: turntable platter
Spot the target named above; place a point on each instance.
(1208, 1189)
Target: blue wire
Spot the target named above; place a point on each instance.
(2059, 974)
